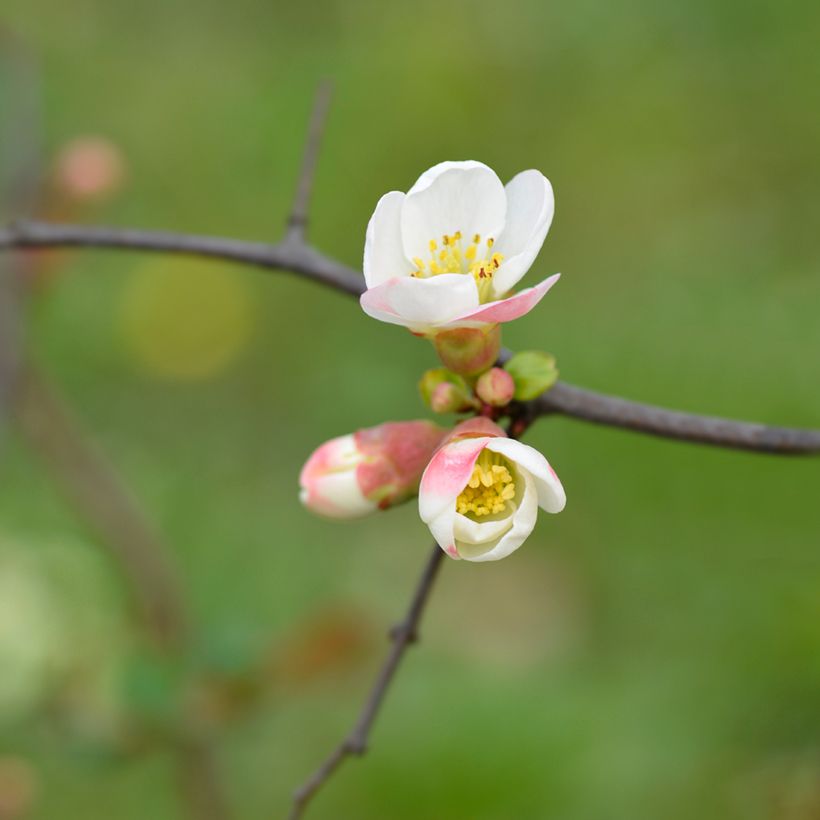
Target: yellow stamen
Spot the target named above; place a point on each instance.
(490, 487)
(453, 259)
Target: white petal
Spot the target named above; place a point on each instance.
(450, 197)
(530, 208)
(383, 254)
(337, 495)
(523, 523)
(441, 528)
(481, 532)
(551, 495)
(421, 304)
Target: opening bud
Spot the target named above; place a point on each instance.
(354, 475)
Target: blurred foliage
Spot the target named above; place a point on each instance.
(654, 651)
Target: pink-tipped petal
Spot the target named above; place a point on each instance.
(446, 476)
(421, 303)
(511, 308)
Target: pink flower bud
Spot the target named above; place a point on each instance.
(371, 469)
(469, 351)
(495, 387)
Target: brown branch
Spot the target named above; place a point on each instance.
(298, 220)
(294, 256)
(299, 257)
(613, 411)
(355, 743)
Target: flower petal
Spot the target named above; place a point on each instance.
(336, 495)
(421, 303)
(383, 255)
(551, 495)
(469, 531)
(505, 310)
(450, 197)
(447, 475)
(523, 523)
(530, 208)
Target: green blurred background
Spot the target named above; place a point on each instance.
(654, 651)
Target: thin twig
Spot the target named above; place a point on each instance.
(298, 220)
(304, 259)
(199, 780)
(355, 743)
(97, 493)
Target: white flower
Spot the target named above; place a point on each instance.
(481, 492)
(448, 253)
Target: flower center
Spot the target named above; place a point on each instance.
(476, 259)
(490, 487)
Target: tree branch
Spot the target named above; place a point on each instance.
(298, 220)
(355, 743)
(296, 257)
(613, 411)
(304, 259)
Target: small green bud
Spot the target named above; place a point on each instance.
(446, 392)
(496, 387)
(533, 372)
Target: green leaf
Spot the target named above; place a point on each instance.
(533, 372)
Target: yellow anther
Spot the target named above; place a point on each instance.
(457, 235)
(477, 238)
(435, 267)
(445, 239)
(418, 263)
(490, 487)
(471, 252)
(490, 242)
(433, 245)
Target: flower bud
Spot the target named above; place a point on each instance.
(469, 350)
(495, 387)
(446, 392)
(371, 469)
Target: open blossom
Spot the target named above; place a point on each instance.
(481, 492)
(448, 252)
(371, 469)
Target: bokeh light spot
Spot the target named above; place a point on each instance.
(186, 319)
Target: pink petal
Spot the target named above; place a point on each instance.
(515, 306)
(447, 475)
